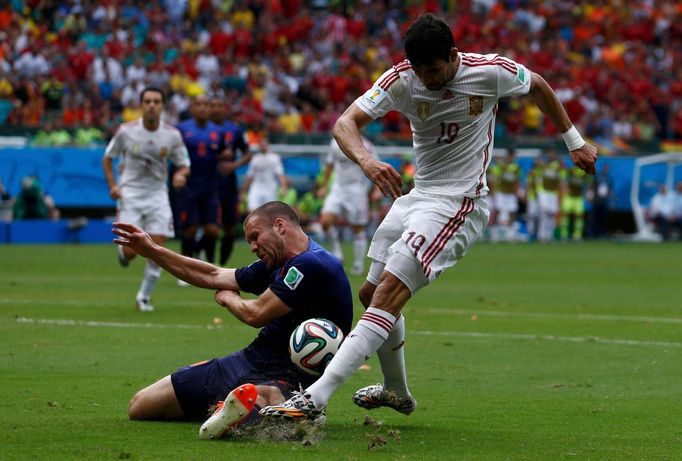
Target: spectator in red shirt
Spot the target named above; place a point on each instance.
(308, 118)
(220, 40)
(72, 116)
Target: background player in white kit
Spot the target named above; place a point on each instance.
(549, 196)
(144, 147)
(451, 101)
(263, 177)
(347, 197)
(508, 176)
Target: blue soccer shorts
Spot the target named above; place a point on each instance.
(200, 386)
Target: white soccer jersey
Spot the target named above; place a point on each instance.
(347, 173)
(143, 169)
(265, 169)
(453, 127)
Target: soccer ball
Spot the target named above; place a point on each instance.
(313, 344)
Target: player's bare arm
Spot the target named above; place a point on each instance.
(347, 134)
(230, 165)
(226, 162)
(326, 178)
(226, 167)
(283, 184)
(584, 155)
(108, 166)
(254, 312)
(245, 187)
(180, 177)
(244, 159)
(194, 271)
(226, 155)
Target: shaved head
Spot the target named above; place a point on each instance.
(273, 210)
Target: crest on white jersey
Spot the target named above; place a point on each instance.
(164, 152)
(374, 96)
(423, 110)
(521, 75)
(476, 105)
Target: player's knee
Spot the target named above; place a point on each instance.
(212, 231)
(136, 407)
(327, 220)
(269, 395)
(129, 253)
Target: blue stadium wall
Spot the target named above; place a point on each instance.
(74, 178)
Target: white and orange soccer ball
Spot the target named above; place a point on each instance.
(313, 344)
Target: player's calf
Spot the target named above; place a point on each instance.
(122, 260)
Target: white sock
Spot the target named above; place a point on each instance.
(542, 226)
(152, 272)
(360, 248)
(333, 239)
(367, 336)
(508, 232)
(392, 357)
(547, 224)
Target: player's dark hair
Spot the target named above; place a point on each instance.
(427, 40)
(153, 89)
(274, 210)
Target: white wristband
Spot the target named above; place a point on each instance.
(573, 139)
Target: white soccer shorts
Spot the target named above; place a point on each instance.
(532, 207)
(549, 202)
(352, 203)
(506, 202)
(153, 214)
(260, 196)
(422, 235)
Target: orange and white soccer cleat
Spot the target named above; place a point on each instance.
(236, 407)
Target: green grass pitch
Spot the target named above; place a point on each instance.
(520, 352)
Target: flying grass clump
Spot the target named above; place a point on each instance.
(279, 431)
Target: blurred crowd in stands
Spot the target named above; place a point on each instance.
(73, 69)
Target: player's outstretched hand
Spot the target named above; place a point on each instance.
(585, 158)
(133, 237)
(385, 177)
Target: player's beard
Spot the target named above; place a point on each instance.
(267, 258)
(152, 120)
(273, 258)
